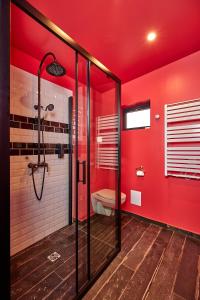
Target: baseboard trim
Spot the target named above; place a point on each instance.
(189, 233)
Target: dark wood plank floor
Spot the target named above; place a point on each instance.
(33, 276)
(155, 264)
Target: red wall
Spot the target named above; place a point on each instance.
(169, 200)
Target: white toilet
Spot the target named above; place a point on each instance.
(104, 201)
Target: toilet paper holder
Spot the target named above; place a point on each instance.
(140, 171)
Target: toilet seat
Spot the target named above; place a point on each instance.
(107, 197)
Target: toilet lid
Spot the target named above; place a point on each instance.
(108, 196)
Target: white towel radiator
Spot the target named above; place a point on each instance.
(107, 142)
(182, 139)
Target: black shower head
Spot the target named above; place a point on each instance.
(55, 69)
(50, 107)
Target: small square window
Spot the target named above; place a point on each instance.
(137, 116)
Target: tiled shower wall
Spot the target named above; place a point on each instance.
(32, 220)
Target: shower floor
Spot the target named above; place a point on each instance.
(34, 276)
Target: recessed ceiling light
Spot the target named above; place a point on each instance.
(151, 36)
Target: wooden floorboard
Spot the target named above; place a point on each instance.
(143, 275)
(43, 288)
(131, 233)
(23, 285)
(103, 279)
(185, 285)
(66, 290)
(162, 286)
(116, 284)
(154, 264)
(177, 297)
(136, 255)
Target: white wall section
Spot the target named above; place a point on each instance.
(32, 220)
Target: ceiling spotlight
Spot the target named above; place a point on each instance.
(151, 36)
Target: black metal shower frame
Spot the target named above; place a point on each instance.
(4, 133)
(4, 146)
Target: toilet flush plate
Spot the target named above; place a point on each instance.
(136, 198)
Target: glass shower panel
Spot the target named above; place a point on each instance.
(103, 168)
(42, 237)
(81, 174)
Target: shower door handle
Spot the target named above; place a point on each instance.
(83, 163)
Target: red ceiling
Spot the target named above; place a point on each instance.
(114, 31)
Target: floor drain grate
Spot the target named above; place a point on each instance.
(53, 256)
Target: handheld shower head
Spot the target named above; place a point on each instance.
(49, 107)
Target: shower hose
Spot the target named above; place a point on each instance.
(39, 195)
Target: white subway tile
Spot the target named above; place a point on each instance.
(32, 220)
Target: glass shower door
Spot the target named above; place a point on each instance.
(81, 159)
(97, 172)
(104, 167)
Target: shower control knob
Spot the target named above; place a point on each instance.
(32, 166)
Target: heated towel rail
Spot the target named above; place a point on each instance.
(182, 139)
(107, 142)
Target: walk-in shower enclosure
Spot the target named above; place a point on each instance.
(77, 220)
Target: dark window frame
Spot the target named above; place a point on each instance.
(133, 108)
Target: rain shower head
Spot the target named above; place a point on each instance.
(55, 69)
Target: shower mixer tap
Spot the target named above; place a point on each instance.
(35, 166)
(49, 107)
